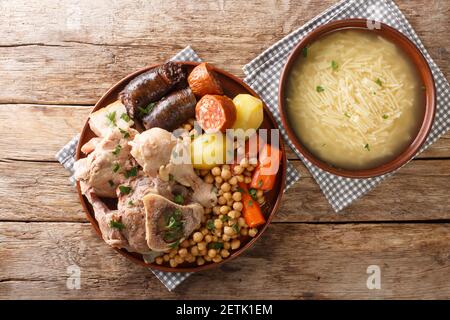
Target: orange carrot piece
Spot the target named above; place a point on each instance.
(251, 210)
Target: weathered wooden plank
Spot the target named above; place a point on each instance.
(70, 53)
(39, 191)
(291, 261)
(37, 132)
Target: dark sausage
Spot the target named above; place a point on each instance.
(151, 86)
(172, 111)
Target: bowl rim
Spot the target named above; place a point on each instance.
(423, 70)
(250, 243)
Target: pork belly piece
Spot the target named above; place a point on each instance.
(167, 223)
(103, 121)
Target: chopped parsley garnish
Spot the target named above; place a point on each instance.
(210, 225)
(252, 193)
(111, 183)
(240, 190)
(174, 227)
(125, 117)
(385, 116)
(334, 65)
(130, 203)
(346, 114)
(125, 133)
(116, 225)
(236, 228)
(132, 172)
(260, 183)
(225, 218)
(378, 82)
(111, 118)
(117, 150)
(320, 89)
(174, 244)
(147, 109)
(116, 167)
(215, 245)
(305, 52)
(367, 147)
(170, 177)
(179, 199)
(250, 203)
(125, 189)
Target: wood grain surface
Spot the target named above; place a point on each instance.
(58, 58)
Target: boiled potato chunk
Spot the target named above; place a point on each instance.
(249, 112)
(209, 150)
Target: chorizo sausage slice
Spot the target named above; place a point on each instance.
(203, 80)
(214, 112)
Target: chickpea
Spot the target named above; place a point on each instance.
(230, 203)
(172, 253)
(190, 258)
(203, 172)
(216, 171)
(212, 253)
(235, 244)
(225, 187)
(250, 168)
(215, 238)
(224, 209)
(238, 206)
(244, 163)
(159, 260)
(208, 238)
(244, 231)
(227, 195)
(194, 251)
(226, 238)
(226, 167)
(228, 231)
(218, 224)
(217, 259)
(166, 258)
(216, 209)
(261, 200)
(240, 178)
(226, 174)
(192, 242)
(232, 214)
(238, 170)
(233, 181)
(224, 253)
(200, 261)
(209, 179)
(204, 231)
(241, 222)
(226, 245)
(203, 252)
(183, 252)
(252, 232)
(237, 196)
(201, 246)
(222, 200)
(179, 259)
(207, 258)
(173, 263)
(184, 244)
(259, 193)
(218, 232)
(247, 180)
(218, 179)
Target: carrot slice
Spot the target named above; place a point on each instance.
(265, 174)
(251, 210)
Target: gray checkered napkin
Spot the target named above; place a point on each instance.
(66, 156)
(263, 73)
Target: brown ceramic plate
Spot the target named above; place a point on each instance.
(232, 86)
(417, 59)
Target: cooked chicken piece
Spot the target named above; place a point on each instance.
(103, 121)
(104, 168)
(152, 149)
(182, 171)
(168, 223)
(89, 146)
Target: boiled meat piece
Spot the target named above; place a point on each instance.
(152, 149)
(103, 121)
(168, 223)
(104, 168)
(182, 171)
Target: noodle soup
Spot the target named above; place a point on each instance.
(354, 99)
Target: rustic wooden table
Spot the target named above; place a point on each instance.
(56, 60)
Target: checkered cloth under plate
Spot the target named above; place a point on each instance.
(66, 156)
(263, 73)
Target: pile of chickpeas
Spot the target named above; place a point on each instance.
(223, 226)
